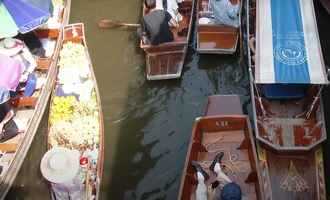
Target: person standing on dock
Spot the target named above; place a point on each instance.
(156, 25)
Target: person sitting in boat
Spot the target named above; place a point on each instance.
(221, 189)
(8, 127)
(156, 25)
(225, 12)
(17, 49)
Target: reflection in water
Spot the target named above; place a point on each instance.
(147, 124)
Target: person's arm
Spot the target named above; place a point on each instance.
(171, 22)
(9, 116)
(223, 176)
(174, 23)
(252, 44)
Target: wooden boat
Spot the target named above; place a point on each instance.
(288, 116)
(214, 38)
(223, 128)
(165, 61)
(326, 5)
(84, 125)
(29, 110)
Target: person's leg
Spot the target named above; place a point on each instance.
(216, 168)
(201, 190)
(221, 176)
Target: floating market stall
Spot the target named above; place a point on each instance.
(75, 132)
(35, 82)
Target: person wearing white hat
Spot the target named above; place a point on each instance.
(11, 46)
(60, 166)
(16, 49)
(8, 127)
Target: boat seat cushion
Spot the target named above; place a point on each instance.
(283, 91)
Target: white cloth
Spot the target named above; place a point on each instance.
(172, 8)
(225, 12)
(68, 191)
(201, 191)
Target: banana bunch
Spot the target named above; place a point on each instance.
(62, 109)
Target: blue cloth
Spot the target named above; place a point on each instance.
(4, 95)
(284, 91)
(31, 84)
(225, 13)
(231, 191)
(290, 61)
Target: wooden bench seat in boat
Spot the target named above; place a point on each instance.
(23, 101)
(290, 131)
(12, 144)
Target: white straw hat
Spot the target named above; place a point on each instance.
(60, 165)
(11, 46)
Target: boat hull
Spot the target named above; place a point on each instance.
(166, 60)
(290, 163)
(230, 134)
(213, 38)
(75, 33)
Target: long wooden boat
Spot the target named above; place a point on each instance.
(326, 5)
(81, 129)
(288, 112)
(165, 61)
(214, 38)
(224, 128)
(29, 110)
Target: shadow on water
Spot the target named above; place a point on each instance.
(147, 124)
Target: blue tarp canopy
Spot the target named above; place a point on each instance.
(287, 43)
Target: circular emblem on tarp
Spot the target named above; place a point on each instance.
(290, 53)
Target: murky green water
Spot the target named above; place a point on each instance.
(147, 124)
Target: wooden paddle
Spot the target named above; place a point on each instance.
(108, 23)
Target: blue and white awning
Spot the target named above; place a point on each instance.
(287, 41)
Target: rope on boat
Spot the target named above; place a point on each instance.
(263, 110)
(309, 112)
(231, 166)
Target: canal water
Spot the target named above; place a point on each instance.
(147, 124)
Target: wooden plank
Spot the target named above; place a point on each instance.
(8, 147)
(223, 104)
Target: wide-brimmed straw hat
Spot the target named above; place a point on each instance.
(60, 165)
(11, 46)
